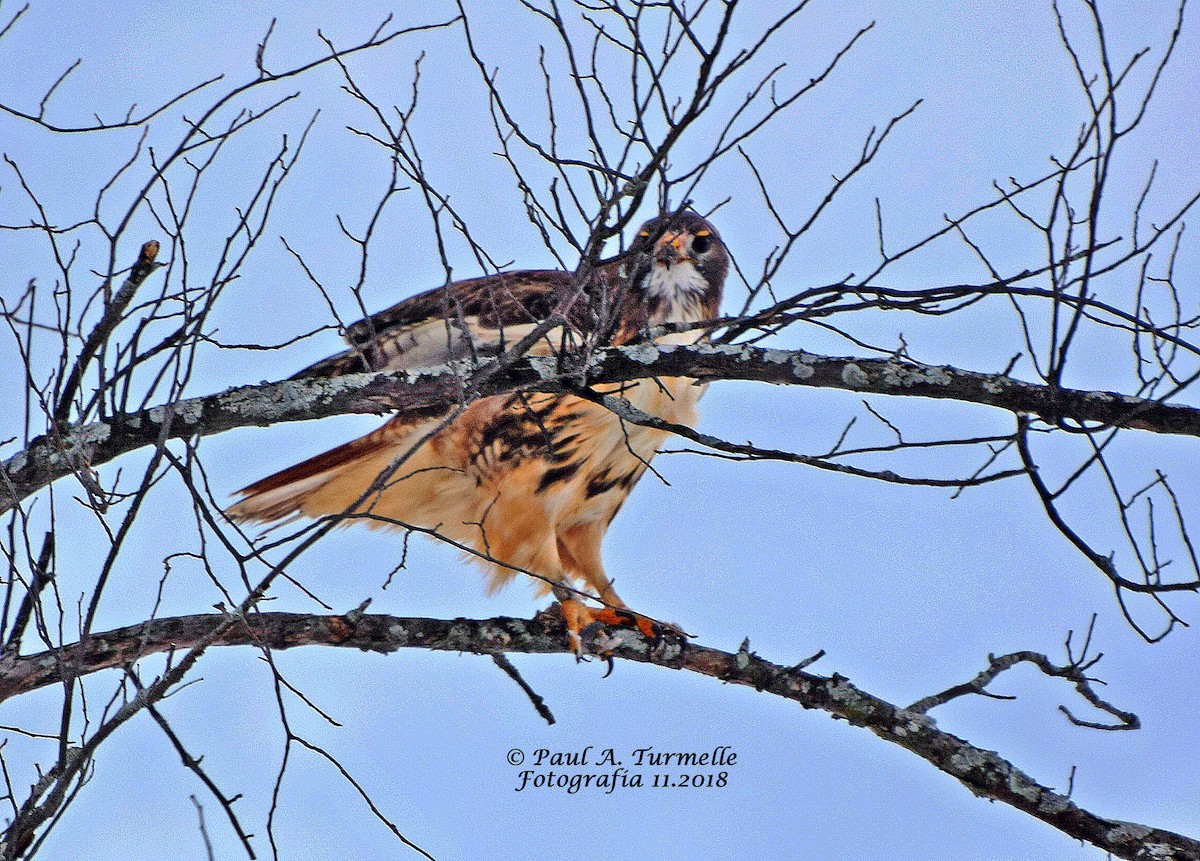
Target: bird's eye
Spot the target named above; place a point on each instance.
(701, 243)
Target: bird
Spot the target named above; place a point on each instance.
(524, 481)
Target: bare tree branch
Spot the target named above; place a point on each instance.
(49, 458)
(981, 771)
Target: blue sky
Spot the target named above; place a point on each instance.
(906, 589)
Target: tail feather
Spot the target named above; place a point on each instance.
(329, 483)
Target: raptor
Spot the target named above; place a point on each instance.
(528, 481)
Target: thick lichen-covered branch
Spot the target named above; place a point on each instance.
(983, 772)
(73, 448)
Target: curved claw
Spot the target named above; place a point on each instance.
(578, 617)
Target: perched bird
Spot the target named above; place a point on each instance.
(529, 481)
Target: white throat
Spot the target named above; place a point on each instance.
(676, 291)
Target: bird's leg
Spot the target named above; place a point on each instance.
(579, 553)
(577, 616)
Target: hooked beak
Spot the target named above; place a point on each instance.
(671, 249)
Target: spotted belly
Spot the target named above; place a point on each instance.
(576, 458)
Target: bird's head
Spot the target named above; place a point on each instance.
(683, 264)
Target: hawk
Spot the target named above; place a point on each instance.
(528, 481)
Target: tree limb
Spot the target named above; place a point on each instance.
(51, 457)
(983, 772)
